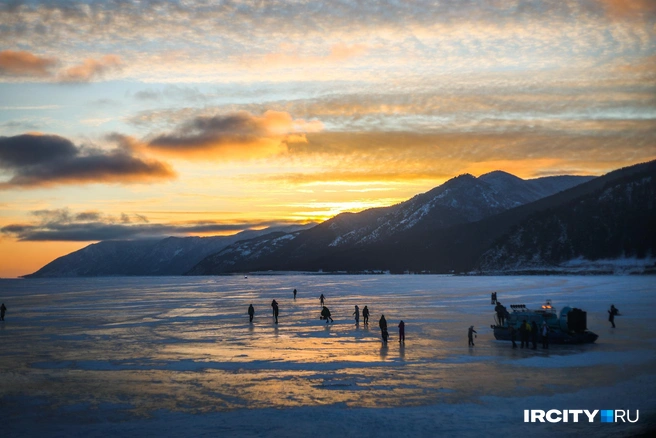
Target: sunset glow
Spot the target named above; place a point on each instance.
(126, 119)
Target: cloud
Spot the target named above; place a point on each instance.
(24, 63)
(147, 95)
(91, 69)
(629, 9)
(46, 160)
(420, 37)
(174, 92)
(237, 135)
(61, 225)
(406, 156)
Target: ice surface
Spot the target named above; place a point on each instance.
(177, 356)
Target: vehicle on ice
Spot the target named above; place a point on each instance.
(567, 327)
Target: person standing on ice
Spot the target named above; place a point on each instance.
(251, 312)
(513, 334)
(611, 314)
(274, 304)
(325, 313)
(402, 331)
(275, 311)
(357, 315)
(3, 309)
(322, 299)
(365, 315)
(382, 323)
(534, 334)
(545, 335)
(500, 312)
(524, 330)
(294, 293)
(470, 335)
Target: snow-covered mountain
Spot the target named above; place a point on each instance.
(168, 256)
(333, 244)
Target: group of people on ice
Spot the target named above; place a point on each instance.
(326, 315)
(528, 331)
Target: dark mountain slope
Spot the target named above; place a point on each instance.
(396, 237)
(615, 221)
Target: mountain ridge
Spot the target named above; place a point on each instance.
(461, 199)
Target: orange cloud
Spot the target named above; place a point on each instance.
(91, 69)
(628, 9)
(24, 64)
(403, 156)
(291, 55)
(342, 51)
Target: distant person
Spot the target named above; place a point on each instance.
(357, 315)
(402, 331)
(524, 333)
(322, 299)
(611, 314)
(365, 315)
(294, 293)
(275, 312)
(471, 335)
(382, 323)
(274, 304)
(513, 335)
(3, 309)
(494, 297)
(251, 312)
(545, 334)
(534, 334)
(325, 314)
(501, 313)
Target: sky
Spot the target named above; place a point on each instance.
(131, 119)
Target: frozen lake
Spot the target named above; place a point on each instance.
(177, 356)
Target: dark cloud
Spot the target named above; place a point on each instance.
(21, 63)
(205, 131)
(45, 160)
(88, 216)
(236, 135)
(28, 150)
(63, 226)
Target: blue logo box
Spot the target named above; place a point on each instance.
(607, 416)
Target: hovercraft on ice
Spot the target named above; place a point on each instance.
(567, 327)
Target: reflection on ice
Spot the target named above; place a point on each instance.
(186, 344)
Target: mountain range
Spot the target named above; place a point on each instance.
(496, 223)
(396, 238)
(167, 256)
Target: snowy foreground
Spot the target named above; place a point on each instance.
(177, 357)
